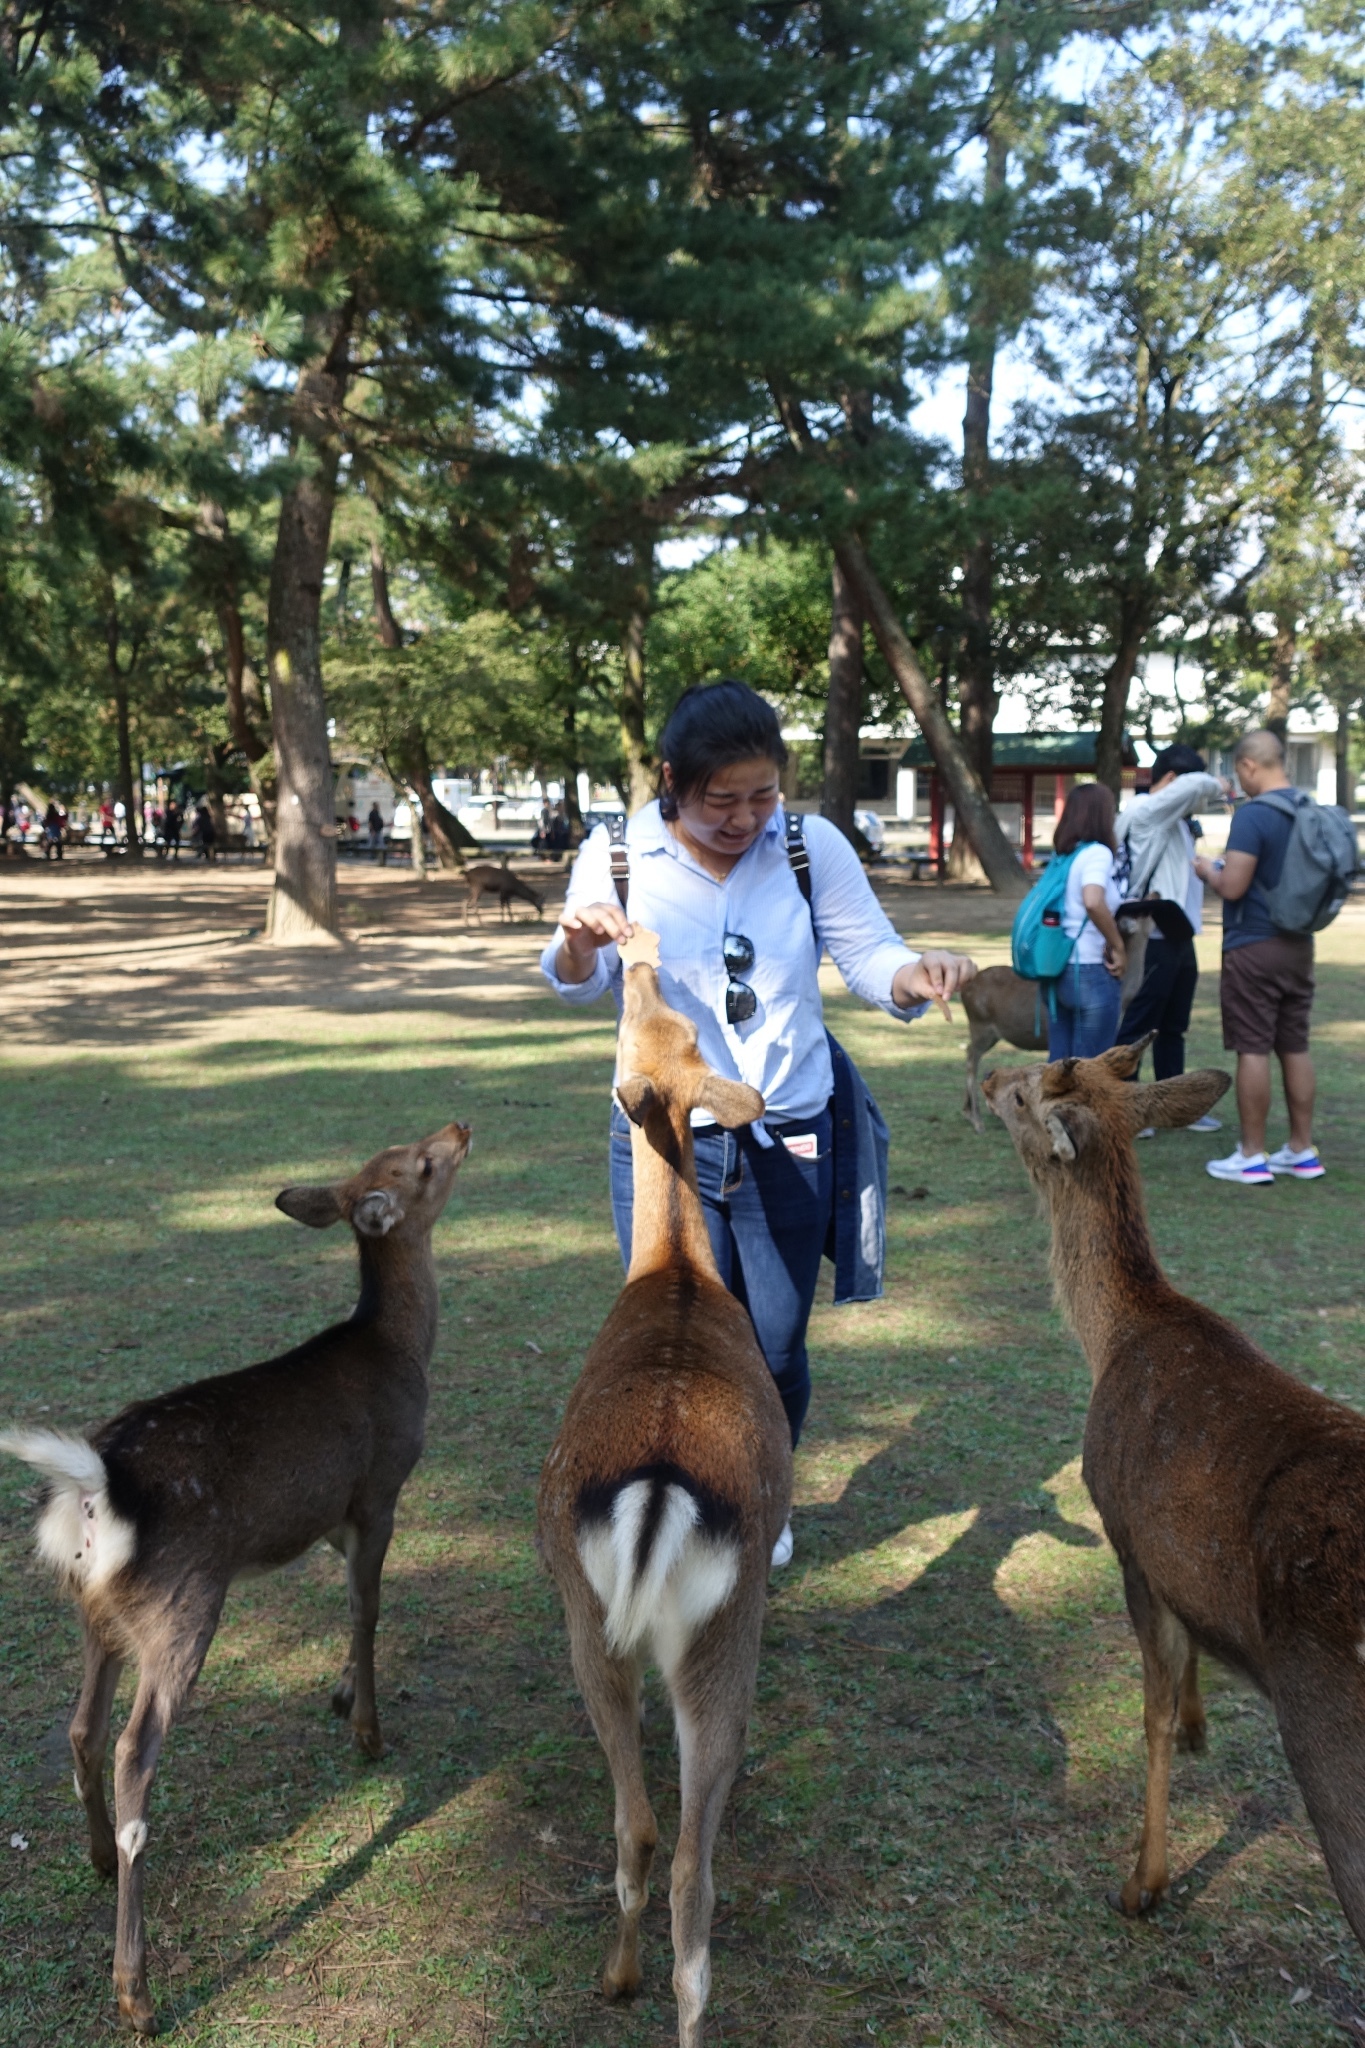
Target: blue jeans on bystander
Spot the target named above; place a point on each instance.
(1087, 1012)
(767, 1214)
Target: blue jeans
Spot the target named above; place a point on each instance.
(1087, 1014)
(767, 1215)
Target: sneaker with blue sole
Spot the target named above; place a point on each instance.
(1253, 1171)
(1298, 1165)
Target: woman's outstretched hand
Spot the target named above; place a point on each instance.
(586, 930)
(934, 978)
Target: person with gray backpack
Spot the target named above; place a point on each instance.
(1285, 874)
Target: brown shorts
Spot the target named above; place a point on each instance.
(1267, 994)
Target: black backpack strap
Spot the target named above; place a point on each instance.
(620, 859)
(799, 860)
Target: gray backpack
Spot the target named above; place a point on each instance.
(1319, 862)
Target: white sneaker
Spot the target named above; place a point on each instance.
(1252, 1172)
(1150, 1132)
(782, 1549)
(1205, 1123)
(1299, 1165)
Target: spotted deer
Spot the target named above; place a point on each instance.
(149, 1520)
(1233, 1494)
(664, 1493)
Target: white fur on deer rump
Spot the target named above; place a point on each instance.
(667, 1596)
(79, 1534)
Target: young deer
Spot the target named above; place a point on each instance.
(1233, 1495)
(150, 1521)
(663, 1495)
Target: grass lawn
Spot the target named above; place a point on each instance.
(945, 1763)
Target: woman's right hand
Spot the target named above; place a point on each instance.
(1116, 958)
(586, 930)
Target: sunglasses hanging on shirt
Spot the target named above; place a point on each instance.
(740, 1000)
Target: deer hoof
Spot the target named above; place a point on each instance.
(343, 1699)
(104, 1858)
(136, 2011)
(621, 1980)
(370, 1741)
(1134, 1900)
(1191, 1735)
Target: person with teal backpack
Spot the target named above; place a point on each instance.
(1065, 936)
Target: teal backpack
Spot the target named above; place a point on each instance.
(1039, 946)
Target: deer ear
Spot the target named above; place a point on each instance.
(1170, 1105)
(1063, 1144)
(1124, 1060)
(317, 1207)
(1057, 1076)
(376, 1213)
(731, 1103)
(636, 1097)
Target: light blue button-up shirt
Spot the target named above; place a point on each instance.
(781, 1050)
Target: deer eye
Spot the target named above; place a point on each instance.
(426, 1169)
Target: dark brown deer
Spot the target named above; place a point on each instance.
(150, 1520)
(663, 1495)
(1233, 1495)
(486, 879)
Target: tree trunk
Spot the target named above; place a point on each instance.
(977, 699)
(132, 806)
(303, 902)
(245, 737)
(1282, 651)
(634, 746)
(419, 851)
(448, 835)
(965, 790)
(1118, 682)
(1345, 780)
(572, 810)
(390, 633)
(844, 705)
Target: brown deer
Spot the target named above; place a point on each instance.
(485, 878)
(663, 1495)
(1233, 1495)
(150, 1520)
(1002, 1004)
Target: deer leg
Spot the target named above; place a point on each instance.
(164, 1685)
(611, 1692)
(1166, 1653)
(89, 1742)
(354, 1696)
(1190, 1734)
(711, 1749)
(979, 1043)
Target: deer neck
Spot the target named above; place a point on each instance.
(398, 1296)
(1103, 1266)
(668, 1226)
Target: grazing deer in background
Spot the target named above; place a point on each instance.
(486, 879)
(1002, 1004)
(150, 1520)
(664, 1493)
(1233, 1495)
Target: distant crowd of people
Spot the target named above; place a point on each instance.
(1148, 854)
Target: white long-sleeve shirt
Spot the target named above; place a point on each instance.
(781, 1050)
(1163, 850)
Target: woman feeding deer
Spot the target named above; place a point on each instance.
(745, 899)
